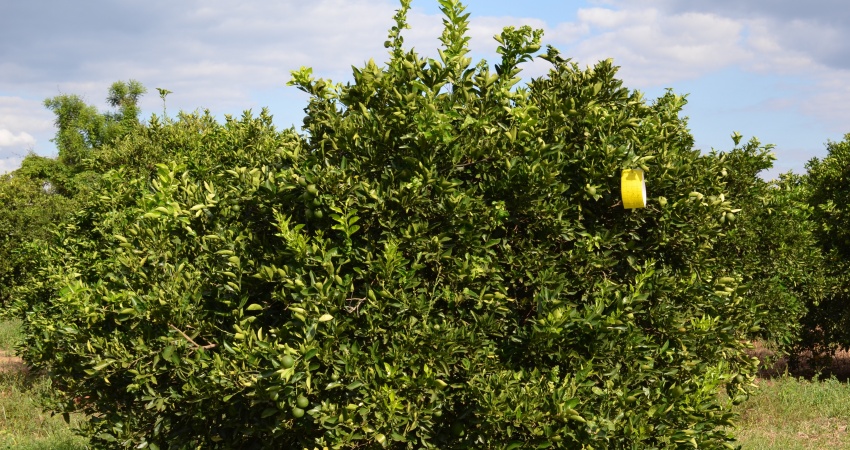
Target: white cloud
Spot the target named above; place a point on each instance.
(654, 48)
(211, 54)
(659, 43)
(771, 53)
(10, 139)
(19, 114)
(9, 164)
(24, 124)
(610, 18)
(567, 32)
(219, 54)
(829, 101)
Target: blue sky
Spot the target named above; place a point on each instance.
(778, 70)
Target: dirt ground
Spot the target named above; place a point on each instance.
(11, 363)
(807, 366)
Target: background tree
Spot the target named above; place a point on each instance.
(81, 129)
(27, 211)
(771, 242)
(44, 191)
(125, 97)
(826, 327)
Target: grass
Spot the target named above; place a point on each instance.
(23, 423)
(10, 333)
(786, 413)
(790, 413)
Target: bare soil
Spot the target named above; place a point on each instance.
(9, 363)
(806, 366)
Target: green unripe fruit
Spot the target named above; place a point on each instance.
(297, 413)
(302, 401)
(302, 181)
(312, 189)
(318, 214)
(287, 362)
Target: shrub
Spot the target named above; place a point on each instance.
(43, 191)
(119, 253)
(441, 262)
(772, 244)
(826, 327)
(27, 210)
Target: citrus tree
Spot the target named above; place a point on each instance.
(771, 243)
(826, 327)
(44, 190)
(27, 211)
(442, 260)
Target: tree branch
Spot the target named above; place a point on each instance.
(205, 347)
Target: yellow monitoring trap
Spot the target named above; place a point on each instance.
(633, 189)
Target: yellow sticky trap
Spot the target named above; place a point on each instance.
(633, 189)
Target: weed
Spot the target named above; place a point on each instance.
(23, 423)
(793, 413)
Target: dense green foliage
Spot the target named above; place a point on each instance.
(441, 262)
(771, 243)
(43, 191)
(828, 190)
(81, 130)
(27, 210)
(157, 289)
(790, 243)
(827, 324)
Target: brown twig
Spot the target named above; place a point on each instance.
(205, 347)
(356, 307)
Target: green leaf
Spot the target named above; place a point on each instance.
(103, 364)
(381, 439)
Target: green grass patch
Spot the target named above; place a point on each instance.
(23, 423)
(10, 335)
(790, 413)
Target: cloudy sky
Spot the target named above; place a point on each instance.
(775, 69)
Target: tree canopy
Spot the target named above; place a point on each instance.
(441, 260)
